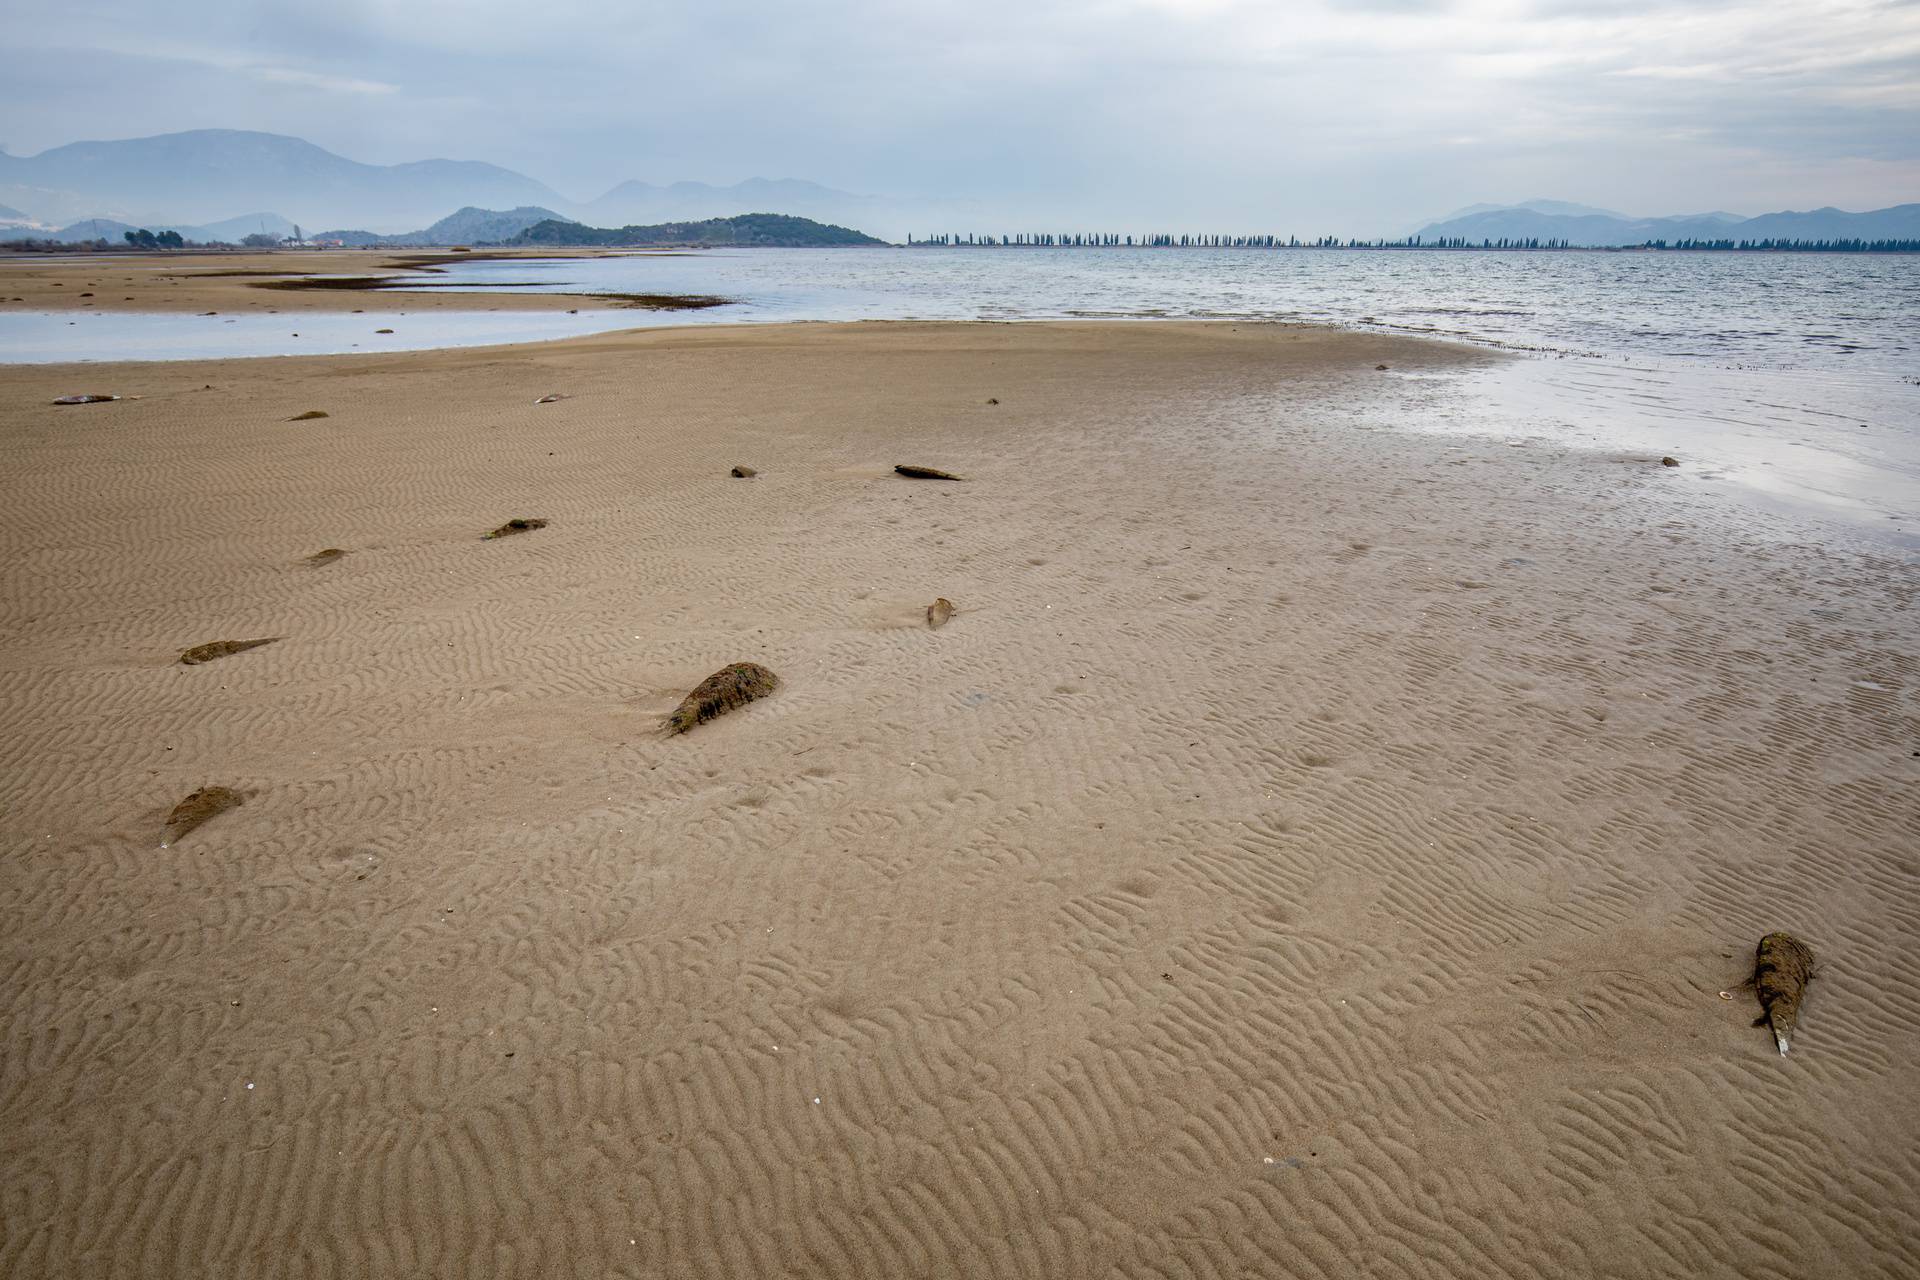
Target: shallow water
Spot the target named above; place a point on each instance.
(1795, 375)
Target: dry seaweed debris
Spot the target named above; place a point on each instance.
(1782, 968)
(939, 612)
(326, 555)
(519, 524)
(220, 649)
(309, 415)
(925, 473)
(201, 807)
(734, 685)
(744, 473)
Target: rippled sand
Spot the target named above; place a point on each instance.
(1309, 849)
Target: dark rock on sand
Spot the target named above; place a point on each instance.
(939, 612)
(518, 525)
(201, 807)
(1782, 967)
(325, 556)
(744, 473)
(383, 331)
(1669, 462)
(925, 473)
(310, 414)
(220, 649)
(993, 400)
(732, 686)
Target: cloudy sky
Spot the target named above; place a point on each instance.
(1360, 117)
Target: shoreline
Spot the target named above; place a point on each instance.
(269, 283)
(1308, 838)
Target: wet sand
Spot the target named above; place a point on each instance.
(252, 283)
(1310, 848)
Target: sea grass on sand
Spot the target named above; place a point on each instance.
(1782, 968)
(220, 649)
(201, 807)
(732, 686)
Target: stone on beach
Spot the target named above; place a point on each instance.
(924, 473)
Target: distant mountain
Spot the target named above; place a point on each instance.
(464, 226)
(1556, 207)
(643, 203)
(177, 179)
(228, 231)
(759, 230)
(206, 172)
(1601, 229)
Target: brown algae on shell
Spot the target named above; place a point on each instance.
(734, 685)
(1782, 968)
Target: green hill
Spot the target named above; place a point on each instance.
(759, 230)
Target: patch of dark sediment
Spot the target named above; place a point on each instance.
(221, 649)
(385, 284)
(200, 808)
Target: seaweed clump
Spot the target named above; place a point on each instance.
(221, 649)
(925, 473)
(201, 807)
(326, 555)
(519, 524)
(1782, 968)
(734, 685)
(309, 415)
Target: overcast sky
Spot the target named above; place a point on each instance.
(1354, 117)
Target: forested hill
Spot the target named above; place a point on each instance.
(760, 230)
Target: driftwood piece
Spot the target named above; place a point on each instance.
(1782, 968)
(939, 612)
(732, 686)
(925, 473)
(220, 649)
(85, 399)
(201, 807)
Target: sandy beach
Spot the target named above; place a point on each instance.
(243, 283)
(1312, 848)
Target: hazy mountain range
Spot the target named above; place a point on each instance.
(192, 179)
(1583, 225)
(192, 182)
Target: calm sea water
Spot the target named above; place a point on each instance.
(1797, 375)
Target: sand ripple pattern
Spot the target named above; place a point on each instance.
(1312, 850)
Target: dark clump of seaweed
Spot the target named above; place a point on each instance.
(326, 555)
(744, 473)
(734, 685)
(221, 649)
(309, 415)
(925, 473)
(1782, 968)
(519, 524)
(201, 807)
